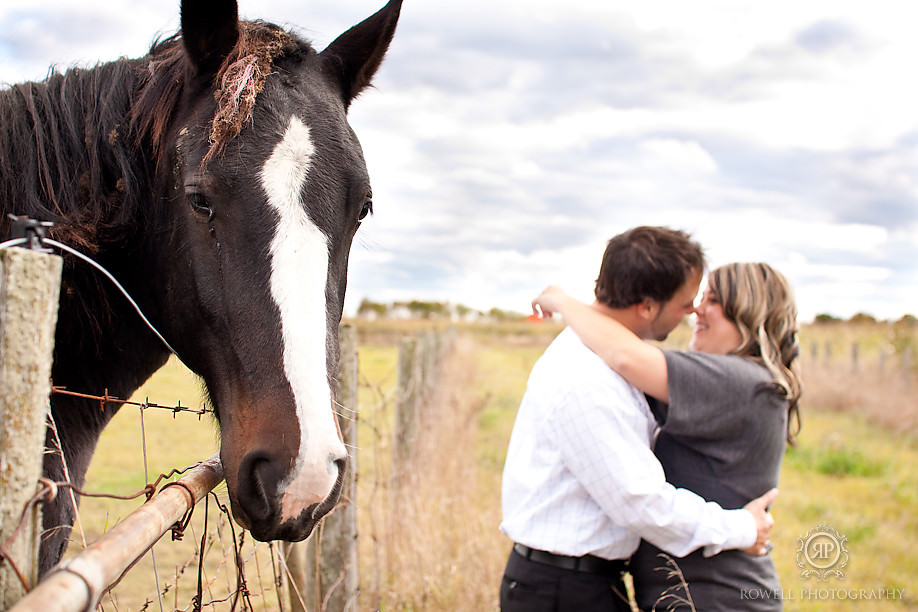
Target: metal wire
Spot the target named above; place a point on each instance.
(11, 243)
(63, 247)
(109, 276)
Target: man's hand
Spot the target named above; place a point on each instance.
(758, 508)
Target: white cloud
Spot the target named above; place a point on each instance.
(505, 151)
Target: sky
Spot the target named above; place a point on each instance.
(508, 140)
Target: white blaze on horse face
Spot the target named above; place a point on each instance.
(299, 272)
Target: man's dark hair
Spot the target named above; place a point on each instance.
(646, 262)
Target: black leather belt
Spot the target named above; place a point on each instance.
(589, 564)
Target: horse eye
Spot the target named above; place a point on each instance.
(365, 210)
(199, 204)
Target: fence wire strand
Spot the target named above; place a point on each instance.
(220, 554)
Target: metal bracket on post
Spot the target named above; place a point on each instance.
(32, 230)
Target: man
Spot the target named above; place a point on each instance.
(581, 485)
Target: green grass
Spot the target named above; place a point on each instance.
(859, 480)
(834, 461)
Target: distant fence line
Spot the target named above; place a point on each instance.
(330, 579)
(322, 571)
(851, 356)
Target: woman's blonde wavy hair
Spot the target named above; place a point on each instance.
(760, 302)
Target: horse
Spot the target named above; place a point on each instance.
(218, 180)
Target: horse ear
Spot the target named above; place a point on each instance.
(210, 29)
(353, 58)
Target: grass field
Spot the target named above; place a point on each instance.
(435, 544)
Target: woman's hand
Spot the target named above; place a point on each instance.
(641, 364)
(549, 302)
(763, 523)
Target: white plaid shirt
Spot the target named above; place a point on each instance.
(580, 477)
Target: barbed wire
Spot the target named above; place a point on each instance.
(106, 399)
(48, 490)
(232, 583)
(47, 493)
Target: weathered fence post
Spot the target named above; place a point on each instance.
(330, 568)
(420, 362)
(406, 404)
(907, 364)
(29, 290)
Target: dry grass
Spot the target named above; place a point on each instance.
(426, 529)
(429, 538)
(886, 397)
(852, 469)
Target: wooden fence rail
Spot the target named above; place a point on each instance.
(80, 582)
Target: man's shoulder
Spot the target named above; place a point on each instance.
(568, 363)
(567, 352)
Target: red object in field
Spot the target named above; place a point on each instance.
(535, 318)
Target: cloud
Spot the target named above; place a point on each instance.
(508, 141)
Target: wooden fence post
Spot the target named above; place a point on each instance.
(330, 569)
(420, 361)
(407, 397)
(29, 290)
(907, 364)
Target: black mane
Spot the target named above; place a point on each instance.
(64, 155)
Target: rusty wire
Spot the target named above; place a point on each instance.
(48, 491)
(106, 398)
(241, 594)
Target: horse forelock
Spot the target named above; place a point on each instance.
(239, 80)
(242, 77)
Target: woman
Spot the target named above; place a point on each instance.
(725, 410)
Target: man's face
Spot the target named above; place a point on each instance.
(677, 308)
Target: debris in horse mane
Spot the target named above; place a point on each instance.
(242, 78)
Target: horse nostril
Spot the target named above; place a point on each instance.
(258, 480)
(339, 464)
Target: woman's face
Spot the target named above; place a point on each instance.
(713, 332)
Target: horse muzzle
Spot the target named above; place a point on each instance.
(273, 505)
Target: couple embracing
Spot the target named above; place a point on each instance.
(661, 463)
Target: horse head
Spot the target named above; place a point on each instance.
(264, 187)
